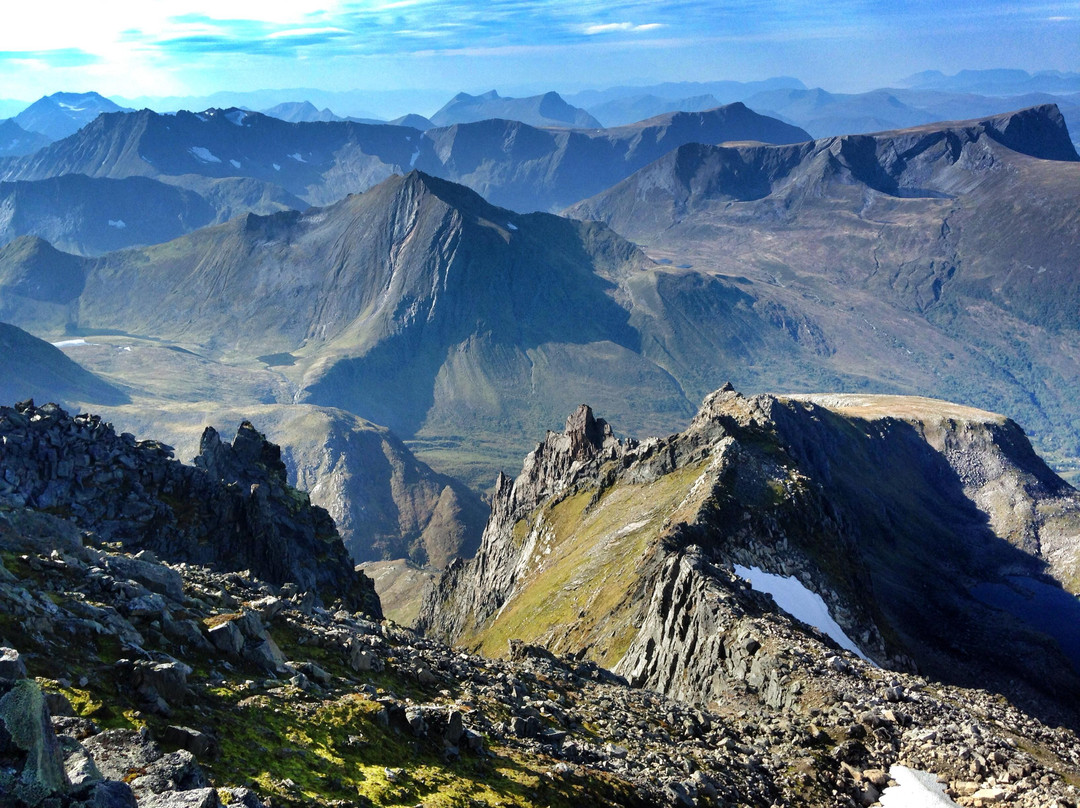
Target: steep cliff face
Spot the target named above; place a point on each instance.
(233, 509)
(912, 519)
(551, 471)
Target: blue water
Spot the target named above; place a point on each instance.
(1045, 608)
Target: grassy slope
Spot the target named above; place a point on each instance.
(580, 587)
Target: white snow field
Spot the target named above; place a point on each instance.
(798, 601)
(915, 789)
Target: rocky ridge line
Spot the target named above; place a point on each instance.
(233, 509)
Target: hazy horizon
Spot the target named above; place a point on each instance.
(169, 48)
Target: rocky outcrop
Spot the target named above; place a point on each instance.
(233, 509)
(552, 469)
(386, 503)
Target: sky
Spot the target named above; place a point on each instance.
(196, 47)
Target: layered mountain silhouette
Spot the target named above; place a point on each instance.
(1001, 81)
(889, 263)
(825, 114)
(89, 216)
(61, 114)
(548, 109)
(416, 305)
(16, 141)
(625, 110)
(509, 162)
(296, 111)
(32, 368)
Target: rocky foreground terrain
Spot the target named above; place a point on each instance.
(151, 662)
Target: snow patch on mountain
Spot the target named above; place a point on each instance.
(914, 789)
(119, 224)
(235, 163)
(203, 154)
(800, 602)
(237, 116)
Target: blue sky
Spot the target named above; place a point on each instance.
(168, 47)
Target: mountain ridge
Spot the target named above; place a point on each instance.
(906, 243)
(510, 163)
(62, 114)
(785, 485)
(417, 305)
(183, 666)
(544, 110)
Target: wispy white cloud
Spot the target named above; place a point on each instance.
(307, 32)
(615, 27)
(163, 44)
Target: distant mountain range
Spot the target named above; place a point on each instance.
(61, 114)
(892, 263)
(902, 261)
(441, 316)
(90, 216)
(16, 141)
(296, 111)
(1001, 82)
(924, 98)
(509, 162)
(544, 110)
(825, 114)
(725, 92)
(621, 111)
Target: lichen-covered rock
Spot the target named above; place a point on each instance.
(121, 753)
(194, 798)
(25, 716)
(105, 794)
